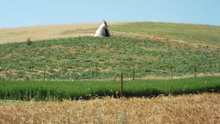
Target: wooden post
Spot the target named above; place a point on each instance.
(121, 90)
(133, 73)
(171, 72)
(195, 71)
(91, 74)
(44, 73)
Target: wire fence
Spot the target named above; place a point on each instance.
(132, 73)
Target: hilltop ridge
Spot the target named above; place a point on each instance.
(177, 32)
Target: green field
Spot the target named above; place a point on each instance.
(103, 58)
(60, 90)
(204, 35)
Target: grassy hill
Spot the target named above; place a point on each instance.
(205, 35)
(140, 50)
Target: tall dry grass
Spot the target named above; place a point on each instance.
(12, 35)
(45, 32)
(48, 32)
(203, 108)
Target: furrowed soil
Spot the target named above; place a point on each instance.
(201, 108)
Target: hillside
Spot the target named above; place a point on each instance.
(201, 35)
(198, 35)
(140, 50)
(36, 33)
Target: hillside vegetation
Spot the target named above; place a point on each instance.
(103, 58)
(183, 33)
(139, 50)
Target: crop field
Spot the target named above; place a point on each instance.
(201, 108)
(191, 34)
(104, 58)
(61, 74)
(36, 33)
(70, 90)
(45, 32)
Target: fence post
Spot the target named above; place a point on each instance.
(195, 71)
(171, 72)
(133, 73)
(44, 73)
(121, 89)
(91, 74)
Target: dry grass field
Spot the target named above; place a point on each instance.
(48, 32)
(45, 32)
(203, 108)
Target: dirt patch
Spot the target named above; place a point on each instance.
(5, 57)
(63, 60)
(102, 50)
(56, 46)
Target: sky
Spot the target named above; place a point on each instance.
(23, 13)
